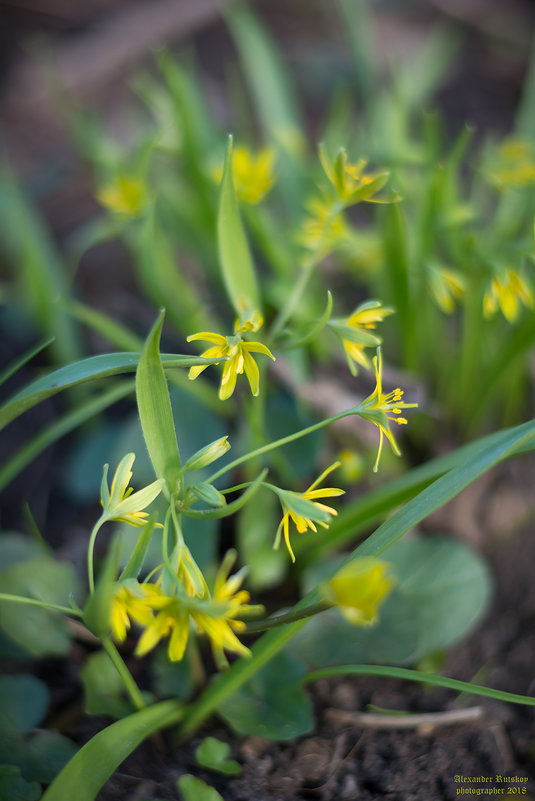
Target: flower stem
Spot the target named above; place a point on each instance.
(283, 441)
(128, 681)
(90, 553)
(289, 617)
(5, 596)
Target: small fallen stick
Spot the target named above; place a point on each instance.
(426, 721)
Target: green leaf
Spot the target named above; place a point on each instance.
(14, 788)
(133, 567)
(272, 704)
(234, 255)
(103, 687)
(101, 366)
(257, 525)
(423, 678)
(23, 703)
(447, 584)
(39, 631)
(39, 757)
(68, 422)
(26, 357)
(213, 754)
(193, 789)
(441, 589)
(155, 412)
(172, 679)
(86, 773)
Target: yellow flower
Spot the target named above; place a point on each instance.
(172, 619)
(447, 287)
(507, 291)
(214, 615)
(379, 408)
(130, 601)
(253, 173)
(303, 509)
(355, 332)
(324, 229)
(126, 196)
(189, 574)
(358, 589)
(120, 502)
(350, 182)
(219, 619)
(514, 166)
(237, 352)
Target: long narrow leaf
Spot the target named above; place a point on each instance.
(358, 516)
(419, 676)
(88, 409)
(101, 366)
(234, 255)
(87, 772)
(155, 413)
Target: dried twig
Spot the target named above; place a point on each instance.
(426, 721)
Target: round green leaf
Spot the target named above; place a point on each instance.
(23, 703)
(272, 703)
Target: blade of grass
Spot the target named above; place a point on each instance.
(424, 678)
(90, 369)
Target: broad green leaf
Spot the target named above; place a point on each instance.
(172, 679)
(87, 772)
(234, 255)
(213, 754)
(103, 687)
(40, 757)
(39, 631)
(193, 789)
(24, 702)
(101, 366)
(441, 590)
(272, 703)
(155, 411)
(14, 788)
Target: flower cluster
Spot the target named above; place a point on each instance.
(172, 613)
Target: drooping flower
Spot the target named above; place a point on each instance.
(324, 229)
(220, 619)
(130, 603)
(253, 173)
(237, 353)
(508, 292)
(120, 502)
(358, 589)
(355, 332)
(171, 620)
(304, 510)
(379, 408)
